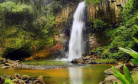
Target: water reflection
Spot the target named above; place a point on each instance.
(75, 75)
(92, 74)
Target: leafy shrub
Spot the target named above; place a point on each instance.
(8, 81)
(126, 78)
(99, 25)
(94, 2)
(10, 6)
(99, 50)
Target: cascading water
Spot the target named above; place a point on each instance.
(76, 43)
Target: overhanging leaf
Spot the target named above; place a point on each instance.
(135, 61)
(127, 51)
(135, 55)
(120, 76)
(135, 39)
(128, 75)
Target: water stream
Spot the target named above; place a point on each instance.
(76, 43)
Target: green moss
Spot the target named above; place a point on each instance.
(45, 62)
(107, 61)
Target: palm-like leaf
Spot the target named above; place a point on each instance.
(128, 75)
(127, 51)
(135, 61)
(120, 76)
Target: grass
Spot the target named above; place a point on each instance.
(44, 62)
(106, 61)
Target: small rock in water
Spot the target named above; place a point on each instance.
(40, 78)
(24, 77)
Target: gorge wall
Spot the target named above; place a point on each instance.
(108, 11)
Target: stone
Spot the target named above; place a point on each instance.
(74, 61)
(17, 76)
(86, 58)
(25, 77)
(12, 77)
(40, 78)
(7, 64)
(109, 80)
(1, 80)
(5, 67)
(22, 82)
(118, 67)
(80, 61)
(37, 82)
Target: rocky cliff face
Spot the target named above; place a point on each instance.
(107, 10)
(110, 12)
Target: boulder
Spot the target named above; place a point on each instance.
(22, 82)
(109, 80)
(40, 78)
(2, 80)
(5, 67)
(118, 67)
(90, 62)
(37, 82)
(86, 58)
(25, 77)
(74, 61)
(17, 76)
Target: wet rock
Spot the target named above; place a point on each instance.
(74, 61)
(2, 80)
(130, 65)
(37, 82)
(25, 77)
(17, 76)
(40, 78)
(6, 64)
(118, 67)
(22, 82)
(5, 67)
(80, 61)
(12, 77)
(109, 80)
(86, 58)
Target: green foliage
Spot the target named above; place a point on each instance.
(30, 24)
(122, 36)
(10, 6)
(8, 81)
(133, 53)
(99, 50)
(99, 25)
(126, 78)
(94, 2)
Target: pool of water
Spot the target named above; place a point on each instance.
(90, 74)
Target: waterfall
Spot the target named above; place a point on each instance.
(76, 43)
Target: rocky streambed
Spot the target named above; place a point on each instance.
(18, 79)
(7, 63)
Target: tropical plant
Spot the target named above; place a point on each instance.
(127, 78)
(8, 81)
